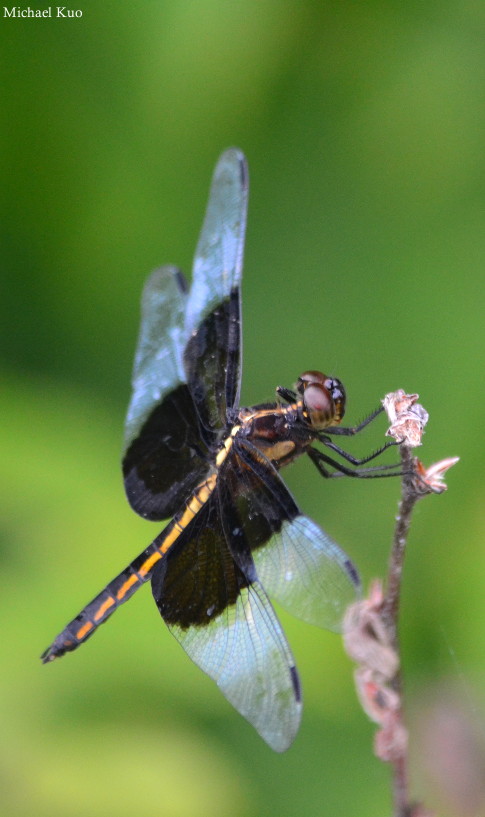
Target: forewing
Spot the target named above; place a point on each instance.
(226, 624)
(164, 457)
(213, 317)
(187, 364)
(298, 564)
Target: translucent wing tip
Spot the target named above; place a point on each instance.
(233, 161)
(160, 280)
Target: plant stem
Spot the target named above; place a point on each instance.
(409, 497)
(390, 611)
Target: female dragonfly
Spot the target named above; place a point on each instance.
(236, 536)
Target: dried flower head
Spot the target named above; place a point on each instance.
(430, 480)
(407, 417)
(368, 642)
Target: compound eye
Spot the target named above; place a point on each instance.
(311, 379)
(323, 399)
(319, 405)
(337, 392)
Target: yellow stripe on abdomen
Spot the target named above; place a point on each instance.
(123, 590)
(104, 608)
(84, 630)
(196, 502)
(147, 566)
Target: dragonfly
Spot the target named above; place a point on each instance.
(236, 537)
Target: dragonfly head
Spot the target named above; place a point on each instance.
(323, 399)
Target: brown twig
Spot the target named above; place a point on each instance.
(409, 497)
(371, 626)
(390, 614)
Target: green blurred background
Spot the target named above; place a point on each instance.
(364, 128)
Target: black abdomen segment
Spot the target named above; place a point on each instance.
(103, 606)
(131, 578)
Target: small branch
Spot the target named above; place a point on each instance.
(371, 626)
(409, 497)
(390, 615)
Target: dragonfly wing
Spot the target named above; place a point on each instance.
(224, 620)
(213, 317)
(298, 564)
(164, 457)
